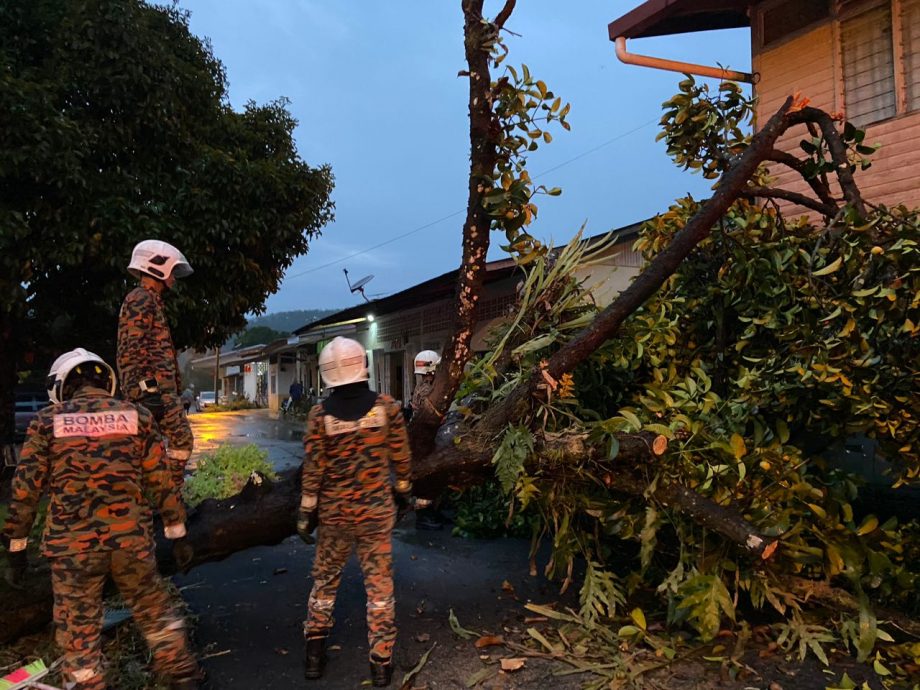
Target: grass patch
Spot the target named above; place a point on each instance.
(224, 472)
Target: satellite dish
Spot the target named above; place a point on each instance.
(358, 286)
(361, 283)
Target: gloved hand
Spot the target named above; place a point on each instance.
(17, 563)
(154, 403)
(403, 501)
(307, 519)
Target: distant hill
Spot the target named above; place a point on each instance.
(290, 321)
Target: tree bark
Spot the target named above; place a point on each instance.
(484, 136)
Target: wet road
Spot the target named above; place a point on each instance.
(250, 607)
(282, 439)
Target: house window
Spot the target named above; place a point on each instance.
(910, 20)
(868, 66)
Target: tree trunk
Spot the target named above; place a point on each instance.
(484, 133)
(264, 513)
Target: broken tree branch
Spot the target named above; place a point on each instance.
(818, 186)
(788, 195)
(838, 151)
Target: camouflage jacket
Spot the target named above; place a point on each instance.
(98, 458)
(422, 391)
(347, 464)
(145, 347)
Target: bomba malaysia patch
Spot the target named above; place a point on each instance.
(94, 424)
(374, 419)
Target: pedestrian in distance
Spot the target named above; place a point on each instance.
(147, 364)
(188, 397)
(98, 458)
(354, 439)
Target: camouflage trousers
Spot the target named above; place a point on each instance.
(374, 547)
(178, 433)
(173, 424)
(77, 581)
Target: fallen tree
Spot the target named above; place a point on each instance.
(677, 413)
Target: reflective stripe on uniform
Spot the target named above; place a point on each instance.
(83, 675)
(168, 631)
(321, 604)
(382, 604)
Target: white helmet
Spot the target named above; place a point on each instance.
(158, 259)
(426, 362)
(343, 361)
(74, 361)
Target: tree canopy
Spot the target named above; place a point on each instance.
(257, 335)
(117, 128)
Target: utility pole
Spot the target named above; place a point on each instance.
(216, 373)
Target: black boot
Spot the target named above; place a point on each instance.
(315, 658)
(381, 672)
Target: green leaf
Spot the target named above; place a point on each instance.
(631, 418)
(830, 268)
(638, 617)
(869, 525)
(458, 630)
(782, 430)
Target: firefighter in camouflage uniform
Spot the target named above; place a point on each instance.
(353, 441)
(98, 457)
(147, 365)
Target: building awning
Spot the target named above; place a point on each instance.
(245, 355)
(667, 17)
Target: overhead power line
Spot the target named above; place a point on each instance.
(396, 238)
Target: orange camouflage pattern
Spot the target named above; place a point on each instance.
(347, 464)
(78, 581)
(98, 458)
(145, 351)
(96, 482)
(145, 346)
(346, 471)
(374, 547)
(421, 392)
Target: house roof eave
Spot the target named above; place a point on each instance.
(668, 17)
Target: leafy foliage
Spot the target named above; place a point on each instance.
(117, 129)
(525, 108)
(257, 335)
(773, 342)
(484, 511)
(224, 472)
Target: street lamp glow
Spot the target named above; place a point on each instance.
(370, 318)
